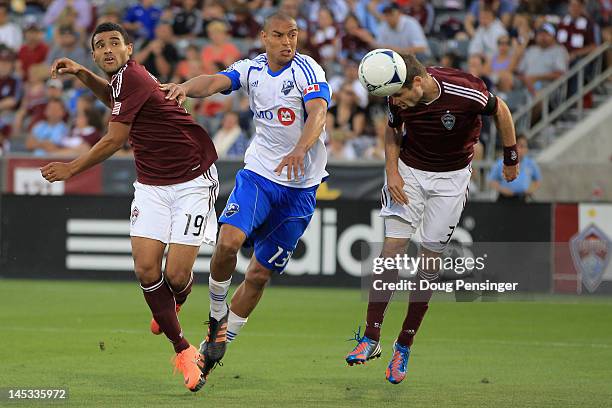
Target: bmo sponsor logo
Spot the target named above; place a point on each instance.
(265, 114)
(286, 116)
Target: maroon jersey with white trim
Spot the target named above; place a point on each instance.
(169, 146)
(440, 135)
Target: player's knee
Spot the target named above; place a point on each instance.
(147, 272)
(228, 246)
(178, 276)
(394, 246)
(258, 277)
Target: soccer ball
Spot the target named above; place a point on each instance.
(382, 72)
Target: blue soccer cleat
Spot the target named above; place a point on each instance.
(396, 371)
(366, 349)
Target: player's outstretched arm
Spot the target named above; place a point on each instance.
(294, 161)
(114, 139)
(198, 87)
(395, 182)
(505, 127)
(98, 85)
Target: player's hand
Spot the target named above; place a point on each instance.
(294, 162)
(63, 66)
(56, 171)
(395, 186)
(510, 172)
(174, 92)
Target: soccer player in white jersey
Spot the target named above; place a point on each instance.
(274, 197)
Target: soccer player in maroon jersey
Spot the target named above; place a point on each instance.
(176, 184)
(434, 123)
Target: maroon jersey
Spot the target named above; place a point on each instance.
(169, 146)
(576, 34)
(440, 135)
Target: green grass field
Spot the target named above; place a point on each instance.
(523, 354)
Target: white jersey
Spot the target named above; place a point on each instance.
(278, 100)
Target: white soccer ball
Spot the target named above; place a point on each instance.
(382, 72)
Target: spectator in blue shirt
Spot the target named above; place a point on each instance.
(527, 182)
(141, 19)
(46, 136)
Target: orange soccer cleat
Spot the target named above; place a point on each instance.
(190, 363)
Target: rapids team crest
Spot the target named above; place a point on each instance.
(591, 251)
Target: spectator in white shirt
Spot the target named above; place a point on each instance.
(10, 33)
(401, 33)
(545, 61)
(485, 38)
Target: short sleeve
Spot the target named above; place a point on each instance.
(476, 93)
(311, 79)
(237, 73)
(130, 91)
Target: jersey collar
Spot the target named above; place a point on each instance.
(439, 92)
(280, 71)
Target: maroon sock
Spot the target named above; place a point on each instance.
(377, 305)
(161, 302)
(181, 294)
(417, 307)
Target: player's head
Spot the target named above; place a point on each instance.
(280, 36)
(111, 47)
(576, 8)
(391, 14)
(486, 16)
(546, 35)
(55, 110)
(412, 91)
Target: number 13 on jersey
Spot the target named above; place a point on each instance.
(277, 260)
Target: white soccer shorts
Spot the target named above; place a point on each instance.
(181, 213)
(435, 203)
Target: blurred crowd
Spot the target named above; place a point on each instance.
(515, 46)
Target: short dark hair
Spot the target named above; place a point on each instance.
(277, 16)
(106, 27)
(413, 68)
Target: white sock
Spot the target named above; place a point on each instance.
(234, 325)
(217, 292)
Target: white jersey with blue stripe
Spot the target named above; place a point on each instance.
(277, 100)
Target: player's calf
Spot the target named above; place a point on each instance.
(155, 329)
